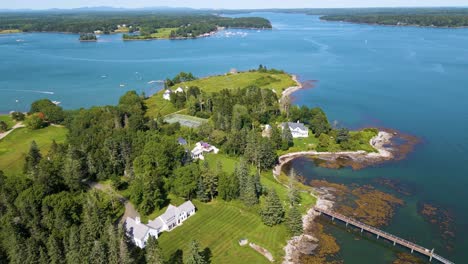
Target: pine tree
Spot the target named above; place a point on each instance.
(153, 251)
(293, 193)
(55, 251)
(73, 172)
(43, 258)
(250, 196)
(32, 159)
(272, 212)
(73, 247)
(98, 253)
(286, 137)
(201, 192)
(294, 221)
(276, 137)
(124, 253)
(195, 256)
(113, 244)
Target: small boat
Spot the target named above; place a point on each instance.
(20, 40)
(122, 85)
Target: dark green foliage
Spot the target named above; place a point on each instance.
(249, 195)
(52, 113)
(153, 252)
(147, 21)
(294, 221)
(88, 37)
(228, 188)
(3, 126)
(293, 193)
(324, 142)
(272, 212)
(74, 169)
(436, 19)
(286, 138)
(34, 122)
(260, 151)
(17, 116)
(32, 160)
(195, 255)
(342, 136)
(185, 181)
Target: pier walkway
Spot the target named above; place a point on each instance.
(379, 233)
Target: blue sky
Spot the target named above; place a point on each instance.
(45, 4)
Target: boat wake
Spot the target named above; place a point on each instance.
(32, 91)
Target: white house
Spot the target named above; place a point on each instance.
(200, 147)
(179, 90)
(167, 94)
(297, 129)
(173, 217)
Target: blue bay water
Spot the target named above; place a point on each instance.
(411, 79)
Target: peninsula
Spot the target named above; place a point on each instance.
(213, 141)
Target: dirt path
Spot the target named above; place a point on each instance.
(130, 210)
(17, 125)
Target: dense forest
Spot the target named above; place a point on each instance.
(425, 20)
(184, 24)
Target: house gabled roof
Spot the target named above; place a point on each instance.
(182, 141)
(156, 224)
(137, 230)
(293, 125)
(187, 206)
(171, 215)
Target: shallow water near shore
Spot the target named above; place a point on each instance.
(409, 79)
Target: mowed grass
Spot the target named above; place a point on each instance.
(14, 147)
(277, 82)
(163, 33)
(158, 106)
(218, 226)
(8, 120)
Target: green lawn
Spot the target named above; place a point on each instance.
(219, 225)
(302, 144)
(277, 82)
(163, 33)
(13, 148)
(8, 120)
(157, 106)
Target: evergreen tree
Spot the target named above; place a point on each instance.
(294, 221)
(228, 188)
(73, 246)
(55, 251)
(73, 171)
(286, 137)
(250, 197)
(272, 212)
(201, 191)
(194, 255)
(276, 137)
(293, 193)
(43, 258)
(124, 253)
(113, 244)
(153, 251)
(98, 253)
(32, 159)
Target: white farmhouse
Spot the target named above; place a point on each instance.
(179, 90)
(173, 217)
(200, 148)
(167, 94)
(298, 130)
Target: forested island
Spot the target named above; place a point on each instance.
(61, 202)
(88, 37)
(134, 25)
(424, 17)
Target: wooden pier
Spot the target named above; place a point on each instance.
(379, 233)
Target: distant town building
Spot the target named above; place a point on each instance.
(173, 217)
(233, 71)
(200, 148)
(179, 90)
(298, 130)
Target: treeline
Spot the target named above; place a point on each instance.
(88, 37)
(426, 20)
(108, 22)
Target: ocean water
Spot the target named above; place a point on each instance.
(414, 80)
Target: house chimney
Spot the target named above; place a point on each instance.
(137, 219)
(298, 121)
